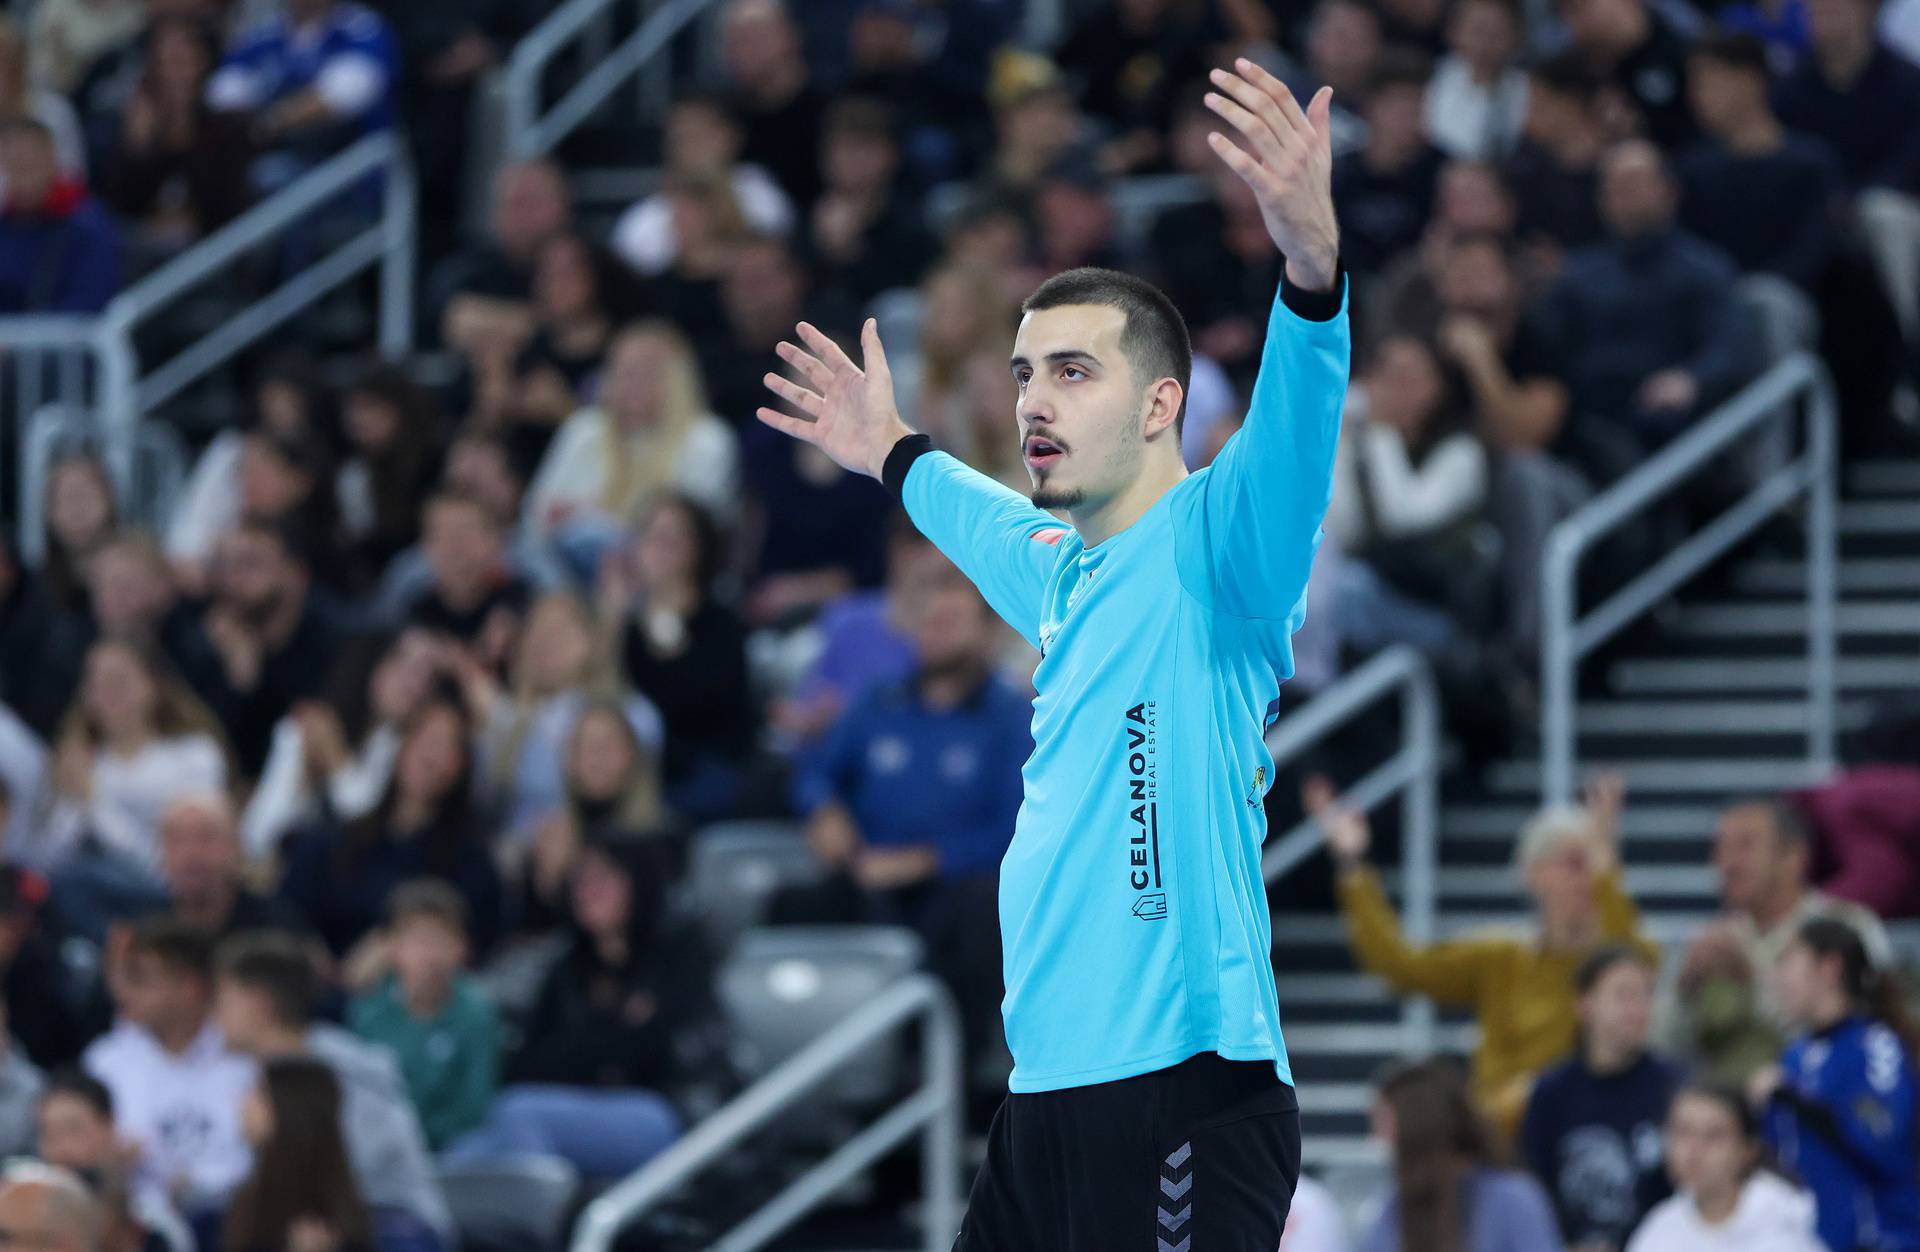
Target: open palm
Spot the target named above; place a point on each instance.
(850, 412)
(1285, 156)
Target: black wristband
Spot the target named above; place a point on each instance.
(894, 472)
(1315, 306)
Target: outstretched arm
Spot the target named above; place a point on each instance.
(1269, 486)
(996, 536)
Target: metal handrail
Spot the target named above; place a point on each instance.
(933, 1109)
(118, 392)
(1412, 773)
(531, 133)
(1567, 637)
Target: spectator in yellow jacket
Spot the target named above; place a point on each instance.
(1519, 986)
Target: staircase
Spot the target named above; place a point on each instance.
(1717, 708)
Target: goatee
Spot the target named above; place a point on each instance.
(1057, 498)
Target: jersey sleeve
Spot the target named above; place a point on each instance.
(1866, 1109)
(1269, 487)
(996, 536)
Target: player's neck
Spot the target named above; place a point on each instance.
(1100, 522)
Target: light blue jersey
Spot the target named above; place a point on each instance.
(1132, 910)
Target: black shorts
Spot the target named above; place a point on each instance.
(1201, 1157)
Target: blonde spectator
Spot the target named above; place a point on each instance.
(965, 316)
(1520, 986)
(651, 433)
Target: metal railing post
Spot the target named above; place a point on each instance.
(1822, 574)
(397, 261)
(940, 1143)
(1419, 863)
(1558, 665)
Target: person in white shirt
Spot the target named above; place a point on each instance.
(651, 433)
(1477, 99)
(1315, 1222)
(702, 136)
(1727, 1201)
(177, 1088)
(134, 742)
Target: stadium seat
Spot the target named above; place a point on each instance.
(784, 987)
(735, 869)
(519, 1202)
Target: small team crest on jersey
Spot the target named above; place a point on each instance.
(1259, 788)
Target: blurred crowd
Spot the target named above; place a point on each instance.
(360, 793)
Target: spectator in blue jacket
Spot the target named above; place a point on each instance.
(1858, 94)
(59, 251)
(322, 73)
(1840, 1105)
(1648, 320)
(1592, 1132)
(911, 800)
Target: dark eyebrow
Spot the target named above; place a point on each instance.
(1064, 354)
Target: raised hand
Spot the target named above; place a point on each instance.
(1347, 831)
(850, 412)
(1286, 157)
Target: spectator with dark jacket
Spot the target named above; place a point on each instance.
(622, 1026)
(1591, 1134)
(1648, 321)
(1555, 169)
(339, 877)
(177, 170)
(1857, 94)
(863, 234)
(1384, 191)
(1643, 60)
(59, 251)
(1749, 159)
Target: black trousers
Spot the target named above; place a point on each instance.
(1201, 1157)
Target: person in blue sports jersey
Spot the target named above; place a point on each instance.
(1840, 1105)
(1151, 1104)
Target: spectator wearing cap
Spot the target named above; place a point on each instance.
(267, 989)
(623, 1029)
(1384, 191)
(1723, 1009)
(267, 638)
(701, 136)
(1477, 101)
(1643, 61)
(1749, 158)
(1555, 169)
(773, 94)
(863, 235)
(1035, 120)
(1648, 322)
(59, 251)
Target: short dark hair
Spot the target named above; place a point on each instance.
(174, 943)
(431, 899)
(1734, 49)
(860, 117)
(276, 965)
(1567, 73)
(82, 1086)
(1155, 336)
(1400, 66)
(23, 125)
(1587, 975)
